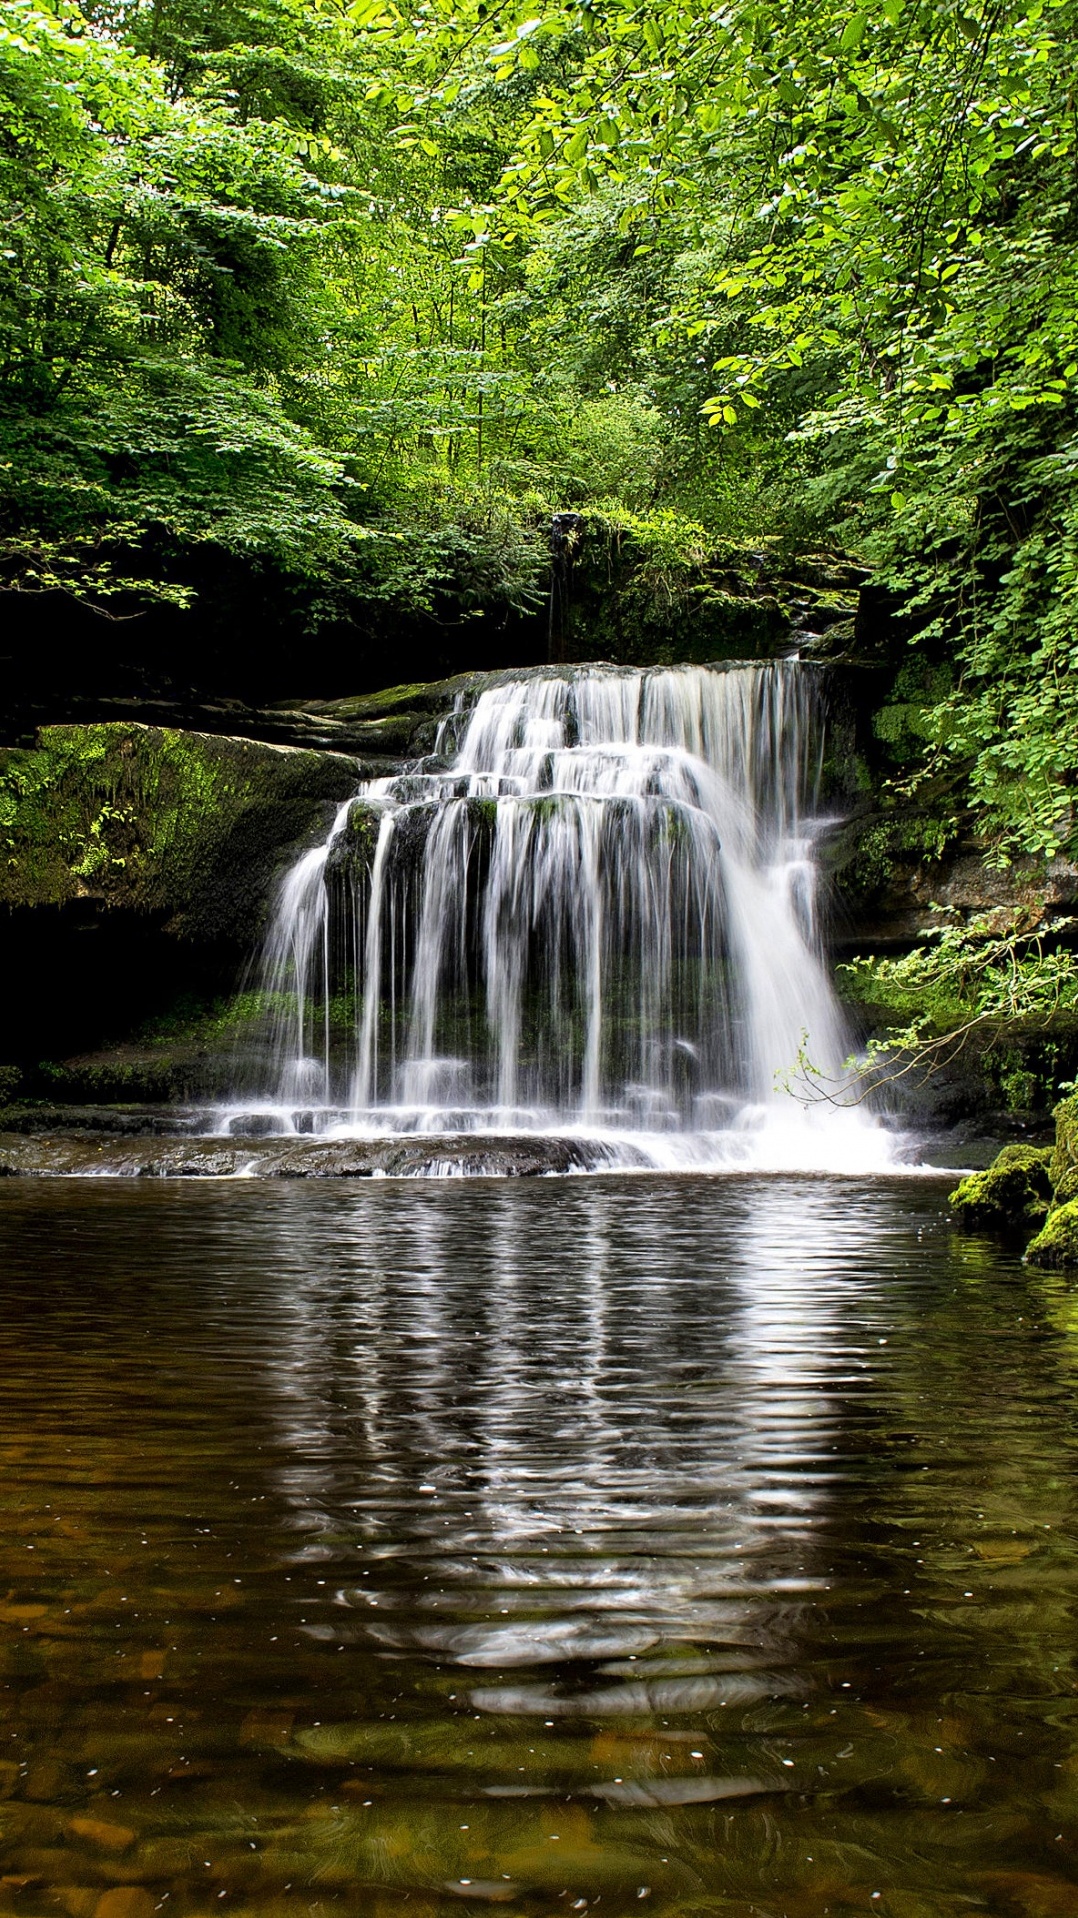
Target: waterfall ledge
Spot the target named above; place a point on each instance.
(591, 914)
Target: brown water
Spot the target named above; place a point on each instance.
(695, 1546)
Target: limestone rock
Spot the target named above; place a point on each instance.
(460, 1155)
(185, 829)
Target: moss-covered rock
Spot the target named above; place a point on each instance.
(189, 828)
(1067, 1189)
(1056, 1245)
(1015, 1190)
(1065, 1156)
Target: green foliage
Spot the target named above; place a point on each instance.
(986, 978)
(863, 225)
(361, 294)
(158, 277)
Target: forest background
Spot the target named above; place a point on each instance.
(331, 306)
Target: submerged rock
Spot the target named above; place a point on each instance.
(1056, 1245)
(1015, 1190)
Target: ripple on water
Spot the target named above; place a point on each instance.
(703, 1545)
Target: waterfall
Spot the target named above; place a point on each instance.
(595, 907)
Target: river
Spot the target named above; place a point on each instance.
(693, 1545)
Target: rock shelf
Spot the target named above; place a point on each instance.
(83, 1155)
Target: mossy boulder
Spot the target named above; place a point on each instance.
(1056, 1245)
(1015, 1190)
(1065, 1156)
(189, 829)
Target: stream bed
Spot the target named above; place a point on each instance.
(680, 1545)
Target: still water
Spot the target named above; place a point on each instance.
(686, 1546)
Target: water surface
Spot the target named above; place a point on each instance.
(703, 1546)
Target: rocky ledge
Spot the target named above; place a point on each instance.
(91, 1154)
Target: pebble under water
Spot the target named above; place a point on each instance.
(694, 1546)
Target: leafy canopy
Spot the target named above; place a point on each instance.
(363, 290)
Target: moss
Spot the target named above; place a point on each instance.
(1056, 1245)
(1015, 1189)
(1067, 1189)
(874, 852)
(116, 1082)
(188, 827)
(353, 850)
(483, 814)
(1065, 1156)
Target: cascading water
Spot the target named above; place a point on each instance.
(593, 908)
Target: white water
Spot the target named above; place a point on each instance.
(601, 918)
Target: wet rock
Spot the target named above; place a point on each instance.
(137, 1121)
(114, 1839)
(188, 827)
(266, 1728)
(33, 1824)
(453, 1155)
(897, 883)
(187, 1771)
(1015, 1190)
(1056, 1245)
(124, 1901)
(492, 1891)
(49, 1782)
(78, 1901)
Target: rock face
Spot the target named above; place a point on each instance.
(626, 602)
(189, 828)
(894, 884)
(139, 865)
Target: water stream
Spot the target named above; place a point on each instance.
(593, 909)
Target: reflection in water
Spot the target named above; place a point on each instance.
(703, 1544)
(625, 1442)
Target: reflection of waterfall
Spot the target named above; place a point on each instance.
(601, 912)
(604, 1431)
